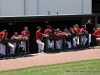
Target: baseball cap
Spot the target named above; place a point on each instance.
(16, 33)
(38, 27)
(76, 24)
(65, 30)
(5, 31)
(48, 26)
(56, 30)
(83, 26)
(70, 28)
(90, 20)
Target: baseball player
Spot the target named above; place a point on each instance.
(71, 31)
(39, 38)
(97, 35)
(89, 28)
(5, 38)
(58, 42)
(61, 39)
(1, 45)
(67, 41)
(53, 39)
(26, 33)
(48, 32)
(77, 31)
(12, 45)
(83, 38)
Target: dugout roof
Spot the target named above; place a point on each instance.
(34, 18)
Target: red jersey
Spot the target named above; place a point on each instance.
(13, 38)
(82, 30)
(73, 30)
(5, 34)
(26, 33)
(96, 33)
(58, 38)
(77, 30)
(47, 31)
(1, 34)
(64, 33)
(38, 35)
(19, 36)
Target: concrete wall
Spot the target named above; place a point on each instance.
(11, 7)
(41, 7)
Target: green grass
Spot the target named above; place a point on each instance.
(59, 69)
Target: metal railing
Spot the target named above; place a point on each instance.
(17, 48)
(64, 38)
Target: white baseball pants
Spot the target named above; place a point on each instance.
(69, 44)
(40, 45)
(1, 49)
(4, 49)
(52, 44)
(58, 43)
(24, 44)
(76, 39)
(49, 44)
(74, 42)
(12, 47)
(89, 39)
(83, 40)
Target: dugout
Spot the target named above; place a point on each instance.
(17, 23)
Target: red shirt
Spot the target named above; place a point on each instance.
(13, 38)
(38, 36)
(96, 33)
(1, 34)
(64, 33)
(26, 33)
(82, 30)
(58, 38)
(5, 34)
(47, 31)
(19, 36)
(73, 30)
(77, 30)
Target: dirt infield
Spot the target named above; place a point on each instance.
(47, 59)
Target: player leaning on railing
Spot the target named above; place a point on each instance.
(39, 35)
(26, 33)
(3, 36)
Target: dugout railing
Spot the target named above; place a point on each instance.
(18, 52)
(64, 38)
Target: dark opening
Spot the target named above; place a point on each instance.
(95, 6)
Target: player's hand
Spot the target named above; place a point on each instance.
(66, 34)
(86, 32)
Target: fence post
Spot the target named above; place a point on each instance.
(72, 41)
(64, 42)
(18, 47)
(88, 40)
(80, 36)
(6, 50)
(27, 46)
(45, 44)
(55, 44)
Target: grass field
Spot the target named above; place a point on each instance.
(87, 67)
